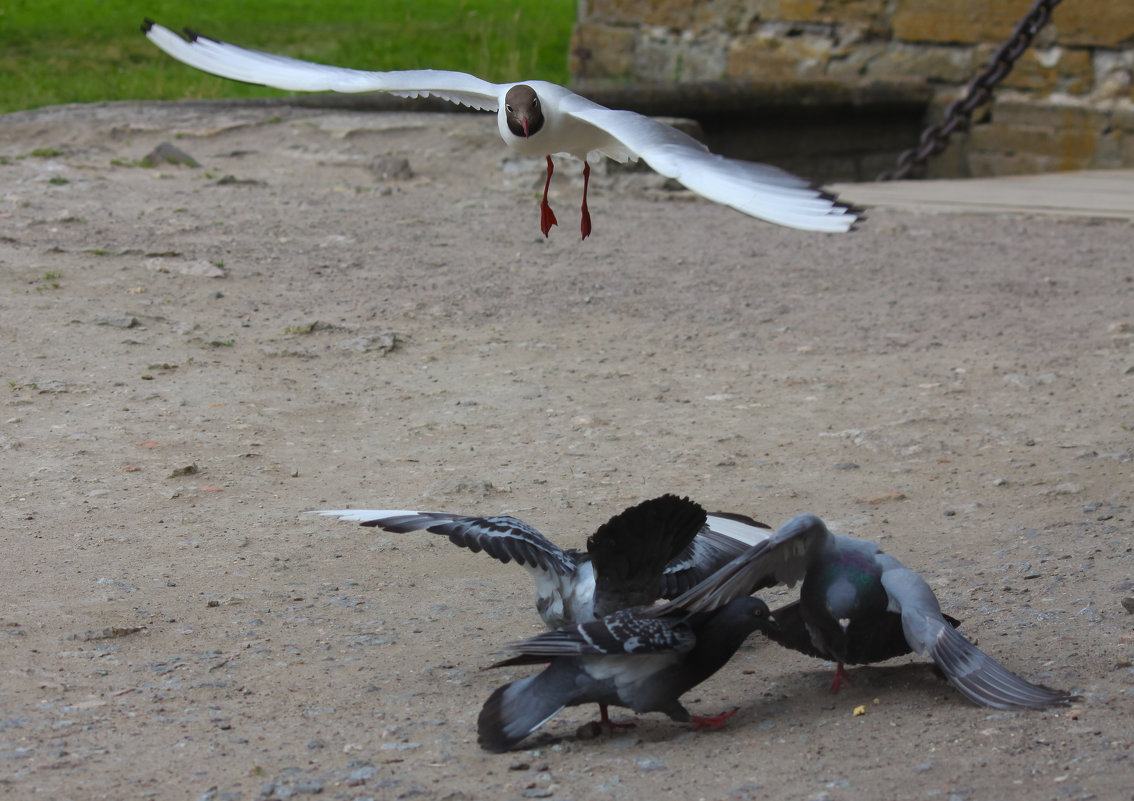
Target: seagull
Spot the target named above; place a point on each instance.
(656, 549)
(624, 659)
(537, 118)
(857, 605)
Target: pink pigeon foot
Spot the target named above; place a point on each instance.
(585, 223)
(711, 722)
(841, 678)
(546, 215)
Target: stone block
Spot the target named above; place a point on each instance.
(660, 56)
(957, 21)
(768, 57)
(601, 52)
(937, 63)
(1054, 69)
(1094, 23)
(828, 11)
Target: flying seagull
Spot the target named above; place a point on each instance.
(625, 659)
(859, 605)
(537, 118)
(656, 549)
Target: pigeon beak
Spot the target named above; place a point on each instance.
(844, 622)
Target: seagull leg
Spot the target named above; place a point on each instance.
(841, 678)
(546, 215)
(711, 722)
(604, 720)
(585, 224)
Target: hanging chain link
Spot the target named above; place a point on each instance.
(935, 138)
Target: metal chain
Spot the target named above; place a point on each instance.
(935, 138)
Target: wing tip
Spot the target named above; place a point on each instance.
(147, 24)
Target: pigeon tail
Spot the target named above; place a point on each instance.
(515, 710)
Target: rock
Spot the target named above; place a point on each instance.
(165, 153)
(391, 168)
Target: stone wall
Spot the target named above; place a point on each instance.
(1068, 104)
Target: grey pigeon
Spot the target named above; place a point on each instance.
(646, 552)
(625, 659)
(859, 605)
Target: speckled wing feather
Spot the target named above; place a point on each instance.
(624, 632)
(501, 537)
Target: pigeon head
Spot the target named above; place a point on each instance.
(522, 110)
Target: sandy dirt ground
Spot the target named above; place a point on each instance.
(195, 356)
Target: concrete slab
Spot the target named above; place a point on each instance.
(1087, 193)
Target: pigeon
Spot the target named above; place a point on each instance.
(656, 549)
(859, 605)
(537, 118)
(625, 659)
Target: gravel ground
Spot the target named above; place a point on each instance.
(196, 355)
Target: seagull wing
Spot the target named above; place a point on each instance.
(502, 537)
(781, 559)
(281, 72)
(979, 677)
(759, 190)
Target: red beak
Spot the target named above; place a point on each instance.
(524, 122)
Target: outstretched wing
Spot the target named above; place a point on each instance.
(502, 537)
(631, 550)
(759, 190)
(979, 677)
(781, 559)
(280, 72)
(724, 537)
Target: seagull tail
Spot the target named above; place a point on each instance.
(515, 710)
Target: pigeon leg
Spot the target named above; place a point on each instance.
(546, 215)
(841, 678)
(585, 224)
(604, 720)
(711, 722)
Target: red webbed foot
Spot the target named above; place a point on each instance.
(546, 215)
(711, 722)
(841, 678)
(585, 222)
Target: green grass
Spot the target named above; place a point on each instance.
(79, 51)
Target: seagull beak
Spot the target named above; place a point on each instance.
(524, 122)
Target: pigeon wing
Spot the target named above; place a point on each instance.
(502, 537)
(724, 537)
(625, 632)
(781, 559)
(979, 677)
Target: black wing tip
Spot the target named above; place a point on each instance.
(147, 24)
(191, 34)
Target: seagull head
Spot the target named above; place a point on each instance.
(523, 111)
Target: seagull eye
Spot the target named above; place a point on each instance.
(508, 107)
